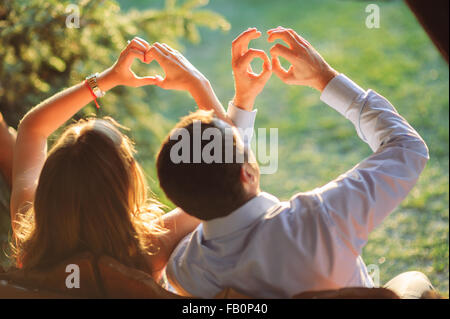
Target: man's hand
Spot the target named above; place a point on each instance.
(248, 84)
(308, 67)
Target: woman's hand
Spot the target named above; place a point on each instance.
(247, 83)
(180, 73)
(121, 74)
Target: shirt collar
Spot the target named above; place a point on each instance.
(240, 218)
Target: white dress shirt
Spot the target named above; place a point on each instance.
(273, 249)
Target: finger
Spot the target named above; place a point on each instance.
(132, 54)
(161, 55)
(177, 55)
(136, 44)
(299, 38)
(275, 29)
(162, 48)
(143, 42)
(171, 54)
(284, 35)
(267, 68)
(168, 48)
(281, 50)
(132, 45)
(278, 69)
(265, 73)
(154, 53)
(251, 54)
(174, 53)
(147, 80)
(240, 45)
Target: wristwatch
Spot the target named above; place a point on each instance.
(92, 82)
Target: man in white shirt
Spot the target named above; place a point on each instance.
(259, 246)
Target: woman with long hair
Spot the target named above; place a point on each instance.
(89, 193)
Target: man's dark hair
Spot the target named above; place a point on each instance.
(204, 190)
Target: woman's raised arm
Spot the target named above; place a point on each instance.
(182, 75)
(40, 122)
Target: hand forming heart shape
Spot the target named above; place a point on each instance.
(180, 74)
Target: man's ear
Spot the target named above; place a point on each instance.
(248, 175)
(250, 179)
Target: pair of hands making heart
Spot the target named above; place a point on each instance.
(307, 66)
(180, 73)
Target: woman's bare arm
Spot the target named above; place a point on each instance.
(44, 119)
(40, 122)
(179, 224)
(182, 75)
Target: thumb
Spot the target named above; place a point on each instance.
(267, 68)
(130, 54)
(148, 80)
(278, 69)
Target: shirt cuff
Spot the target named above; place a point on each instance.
(243, 120)
(340, 92)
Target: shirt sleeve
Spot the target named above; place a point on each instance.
(357, 201)
(184, 270)
(243, 120)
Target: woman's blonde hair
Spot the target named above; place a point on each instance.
(91, 196)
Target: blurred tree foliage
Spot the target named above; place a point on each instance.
(40, 55)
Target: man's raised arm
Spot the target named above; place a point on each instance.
(360, 199)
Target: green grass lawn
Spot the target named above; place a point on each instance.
(316, 144)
